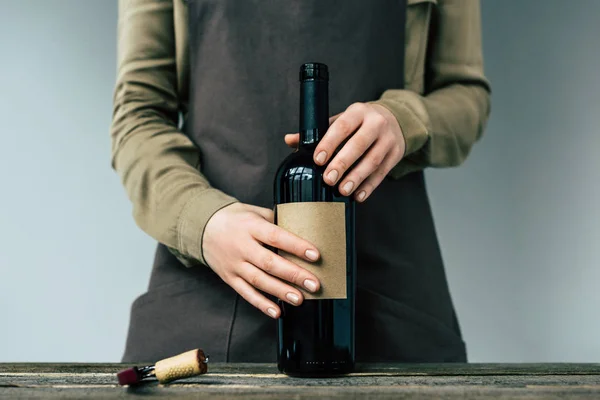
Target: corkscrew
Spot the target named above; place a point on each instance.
(184, 365)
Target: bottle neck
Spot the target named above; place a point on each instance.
(314, 111)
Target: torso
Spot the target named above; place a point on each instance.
(244, 58)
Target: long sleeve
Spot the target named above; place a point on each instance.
(158, 164)
(441, 126)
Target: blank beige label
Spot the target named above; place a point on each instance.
(324, 225)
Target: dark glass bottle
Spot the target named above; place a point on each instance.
(316, 338)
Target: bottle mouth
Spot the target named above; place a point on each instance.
(314, 71)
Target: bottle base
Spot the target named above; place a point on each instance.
(317, 371)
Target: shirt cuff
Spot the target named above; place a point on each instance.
(193, 219)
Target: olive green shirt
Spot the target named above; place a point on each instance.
(442, 110)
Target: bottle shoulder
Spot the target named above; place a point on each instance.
(300, 158)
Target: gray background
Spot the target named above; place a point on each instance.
(519, 223)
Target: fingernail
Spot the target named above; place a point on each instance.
(293, 297)
(361, 195)
(321, 157)
(312, 255)
(332, 176)
(272, 312)
(348, 187)
(310, 285)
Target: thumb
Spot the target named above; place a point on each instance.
(266, 213)
(292, 139)
(333, 118)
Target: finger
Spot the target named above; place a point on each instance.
(342, 127)
(371, 161)
(276, 265)
(279, 238)
(268, 284)
(254, 297)
(355, 147)
(374, 180)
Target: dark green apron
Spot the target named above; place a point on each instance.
(244, 59)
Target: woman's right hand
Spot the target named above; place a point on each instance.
(233, 247)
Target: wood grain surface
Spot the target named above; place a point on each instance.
(262, 381)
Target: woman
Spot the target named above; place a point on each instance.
(204, 93)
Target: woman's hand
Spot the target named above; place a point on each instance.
(233, 247)
(374, 132)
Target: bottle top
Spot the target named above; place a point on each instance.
(314, 71)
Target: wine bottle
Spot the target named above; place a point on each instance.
(317, 337)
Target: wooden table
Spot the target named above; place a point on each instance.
(262, 381)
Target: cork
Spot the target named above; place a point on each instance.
(184, 365)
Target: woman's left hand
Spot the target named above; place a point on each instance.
(374, 132)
